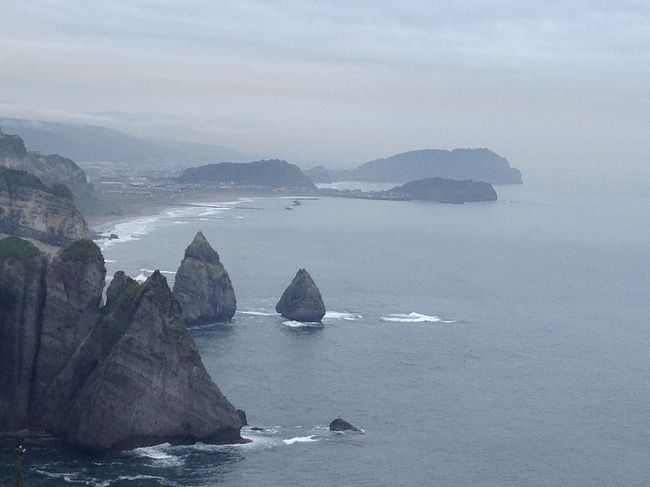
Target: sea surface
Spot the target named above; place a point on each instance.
(487, 344)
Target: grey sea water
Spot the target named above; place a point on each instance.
(488, 344)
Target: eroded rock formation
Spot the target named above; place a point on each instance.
(301, 301)
(30, 209)
(203, 286)
(122, 375)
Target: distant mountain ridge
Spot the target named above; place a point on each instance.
(460, 164)
(271, 173)
(90, 143)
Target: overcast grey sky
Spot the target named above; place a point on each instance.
(551, 85)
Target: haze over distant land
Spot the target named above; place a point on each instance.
(90, 143)
(559, 88)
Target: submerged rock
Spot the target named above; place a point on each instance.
(342, 425)
(203, 286)
(301, 301)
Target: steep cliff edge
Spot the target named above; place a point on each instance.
(105, 377)
(151, 385)
(203, 286)
(52, 169)
(30, 209)
(22, 296)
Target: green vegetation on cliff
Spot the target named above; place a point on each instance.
(17, 248)
(81, 250)
(15, 180)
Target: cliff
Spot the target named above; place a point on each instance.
(50, 169)
(121, 375)
(268, 173)
(30, 209)
(202, 285)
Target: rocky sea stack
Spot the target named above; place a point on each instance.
(104, 377)
(342, 425)
(301, 301)
(202, 285)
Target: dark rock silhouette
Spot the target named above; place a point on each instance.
(123, 375)
(302, 301)
(272, 173)
(342, 425)
(203, 286)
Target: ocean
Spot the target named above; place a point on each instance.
(485, 344)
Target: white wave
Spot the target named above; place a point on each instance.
(300, 439)
(140, 477)
(239, 218)
(160, 454)
(180, 222)
(300, 324)
(73, 478)
(151, 271)
(414, 318)
(256, 313)
(130, 230)
(342, 315)
(140, 277)
(110, 261)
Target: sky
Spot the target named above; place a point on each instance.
(557, 87)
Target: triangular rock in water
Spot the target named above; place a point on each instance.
(149, 384)
(301, 301)
(203, 286)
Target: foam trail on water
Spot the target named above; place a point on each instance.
(300, 439)
(256, 313)
(414, 318)
(300, 324)
(342, 315)
(151, 271)
(140, 277)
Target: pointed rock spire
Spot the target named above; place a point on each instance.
(301, 301)
(203, 286)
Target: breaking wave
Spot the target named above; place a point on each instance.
(414, 318)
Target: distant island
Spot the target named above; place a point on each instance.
(430, 189)
(459, 164)
(272, 173)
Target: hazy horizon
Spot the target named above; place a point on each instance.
(558, 88)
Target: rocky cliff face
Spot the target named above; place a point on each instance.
(153, 359)
(50, 169)
(22, 296)
(122, 375)
(203, 286)
(73, 289)
(30, 209)
(301, 301)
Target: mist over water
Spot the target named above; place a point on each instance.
(482, 344)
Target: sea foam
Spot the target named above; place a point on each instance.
(300, 439)
(256, 313)
(342, 315)
(300, 324)
(414, 318)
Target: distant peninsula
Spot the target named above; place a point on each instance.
(272, 173)
(460, 164)
(430, 189)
